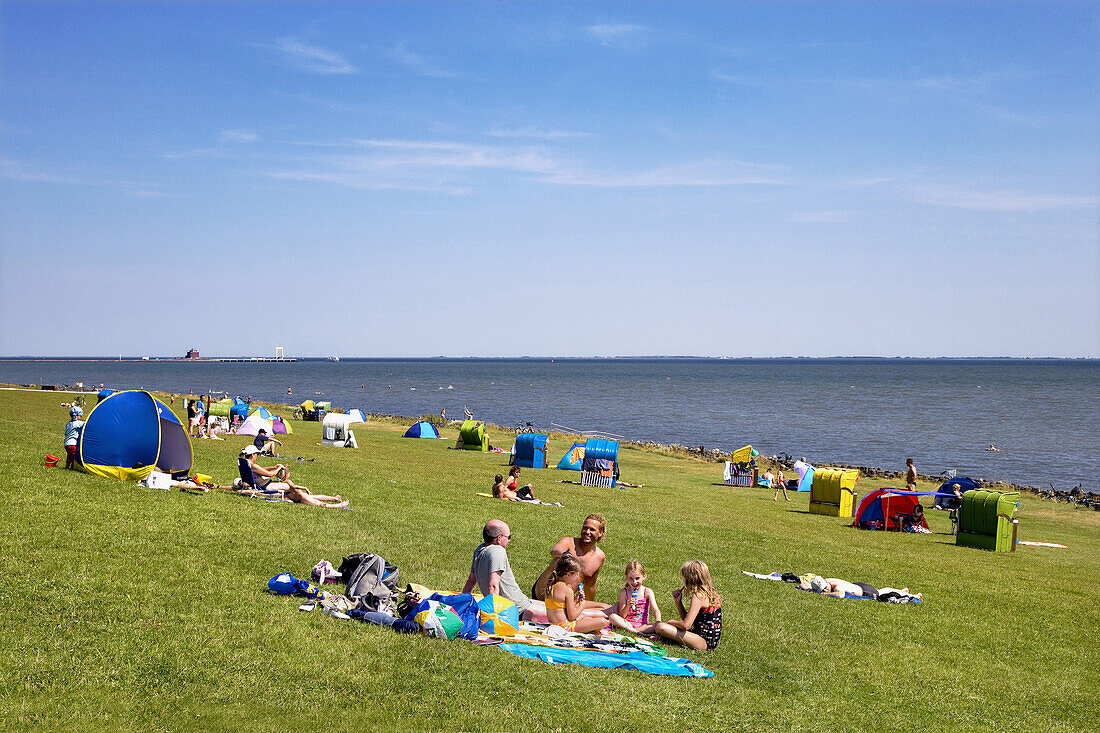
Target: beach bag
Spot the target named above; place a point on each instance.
(373, 585)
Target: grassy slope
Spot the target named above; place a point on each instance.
(136, 608)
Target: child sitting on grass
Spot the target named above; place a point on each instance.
(637, 604)
(700, 624)
(563, 604)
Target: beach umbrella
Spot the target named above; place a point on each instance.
(499, 616)
(438, 620)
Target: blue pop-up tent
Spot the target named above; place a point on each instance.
(131, 433)
(530, 450)
(945, 497)
(573, 458)
(421, 429)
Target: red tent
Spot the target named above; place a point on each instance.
(890, 509)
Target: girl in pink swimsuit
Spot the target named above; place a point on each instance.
(637, 608)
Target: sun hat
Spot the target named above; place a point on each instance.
(250, 450)
(817, 584)
(76, 412)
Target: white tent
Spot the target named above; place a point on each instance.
(252, 425)
(357, 415)
(335, 430)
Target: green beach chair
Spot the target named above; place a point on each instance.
(987, 520)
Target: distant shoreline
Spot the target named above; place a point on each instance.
(549, 359)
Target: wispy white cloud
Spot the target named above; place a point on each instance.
(697, 174)
(434, 165)
(417, 63)
(999, 200)
(536, 133)
(239, 136)
(14, 170)
(618, 35)
(312, 58)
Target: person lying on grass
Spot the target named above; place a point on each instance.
(700, 624)
(563, 605)
(277, 478)
(842, 588)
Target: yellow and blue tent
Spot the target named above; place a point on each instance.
(129, 435)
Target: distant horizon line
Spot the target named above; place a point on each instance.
(636, 357)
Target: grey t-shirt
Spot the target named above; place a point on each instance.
(488, 559)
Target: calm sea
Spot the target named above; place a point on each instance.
(942, 413)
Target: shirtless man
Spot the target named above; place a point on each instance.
(584, 549)
(910, 475)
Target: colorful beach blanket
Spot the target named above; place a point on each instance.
(637, 661)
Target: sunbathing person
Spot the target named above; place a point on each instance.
(512, 485)
(841, 588)
(500, 491)
(277, 478)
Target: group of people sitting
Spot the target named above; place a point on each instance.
(564, 594)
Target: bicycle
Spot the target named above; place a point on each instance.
(524, 427)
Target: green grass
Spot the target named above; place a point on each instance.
(139, 609)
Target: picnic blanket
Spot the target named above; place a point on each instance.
(637, 661)
(779, 577)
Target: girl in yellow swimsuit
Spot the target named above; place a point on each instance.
(562, 605)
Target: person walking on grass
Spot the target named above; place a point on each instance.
(910, 475)
(780, 484)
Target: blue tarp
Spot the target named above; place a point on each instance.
(637, 661)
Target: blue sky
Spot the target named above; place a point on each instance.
(499, 179)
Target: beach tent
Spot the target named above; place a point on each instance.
(103, 394)
(889, 508)
(421, 429)
(573, 458)
(131, 433)
(805, 477)
(600, 465)
(945, 496)
(252, 426)
(280, 426)
(472, 436)
(336, 430)
(261, 411)
(530, 450)
(357, 415)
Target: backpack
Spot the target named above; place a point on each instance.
(372, 584)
